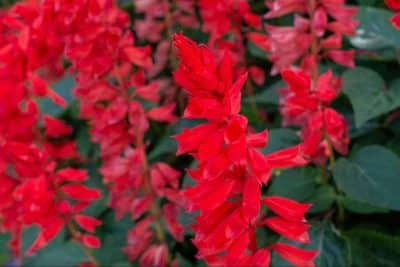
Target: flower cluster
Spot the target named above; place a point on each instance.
(308, 107)
(112, 86)
(160, 18)
(314, 36)
(228, 22)
(37, 187)
(395, 6)
(320, 29)
(231, 170)
(94, 37)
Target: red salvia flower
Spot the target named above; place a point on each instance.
(231, 170)
(395, 6)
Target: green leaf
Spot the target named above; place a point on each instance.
(370, 248)
(293, 183)
(322, 199)
(269, 94)
(63, 88)
(333, 248)
(58, 255)
(281, 138)
(255, 51)
(371, 176)
(359, 207)
(377, 32)
(366, 92)
(5, 253)
(113, 238)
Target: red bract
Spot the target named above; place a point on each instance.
(395, 6)
(110, 98)
(231, 170)
(226, 22)
(317, 33)
(112, 72)
(32, 156)
(327, 20)
(308, 108)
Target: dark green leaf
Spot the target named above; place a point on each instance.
(360, 207)
(322, 199)
(367, 94)
(5, 254)
(370, 248)
(372, 176)
(280, 139)
(64, 88)
(268, 96)
(376, 32)
(292, 183)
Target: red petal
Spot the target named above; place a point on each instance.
(259, 165)
(258, 140)
(140, 56)
(72, 175)
(291, 230)
(299, 81)
(287, 158)
(287, 208)
(251, 199)
(88, 223)
(345, 58)
(80, 192)
(395, 20)
(234, 97)
(190, 139)
(56, 128)
(163, 113)
(90, 241)
(298, 257)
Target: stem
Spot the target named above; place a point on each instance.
(253, 105)
(312, 4)
(341, 212)
(332, 160)
(324, 175)
(169, 24)
(88, 252)
(155, 209)
(315, 48)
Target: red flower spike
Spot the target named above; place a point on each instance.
(230, 169)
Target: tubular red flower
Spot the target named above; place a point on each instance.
(230, 170)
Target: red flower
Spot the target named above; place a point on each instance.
(230, 170)
(395, 6)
